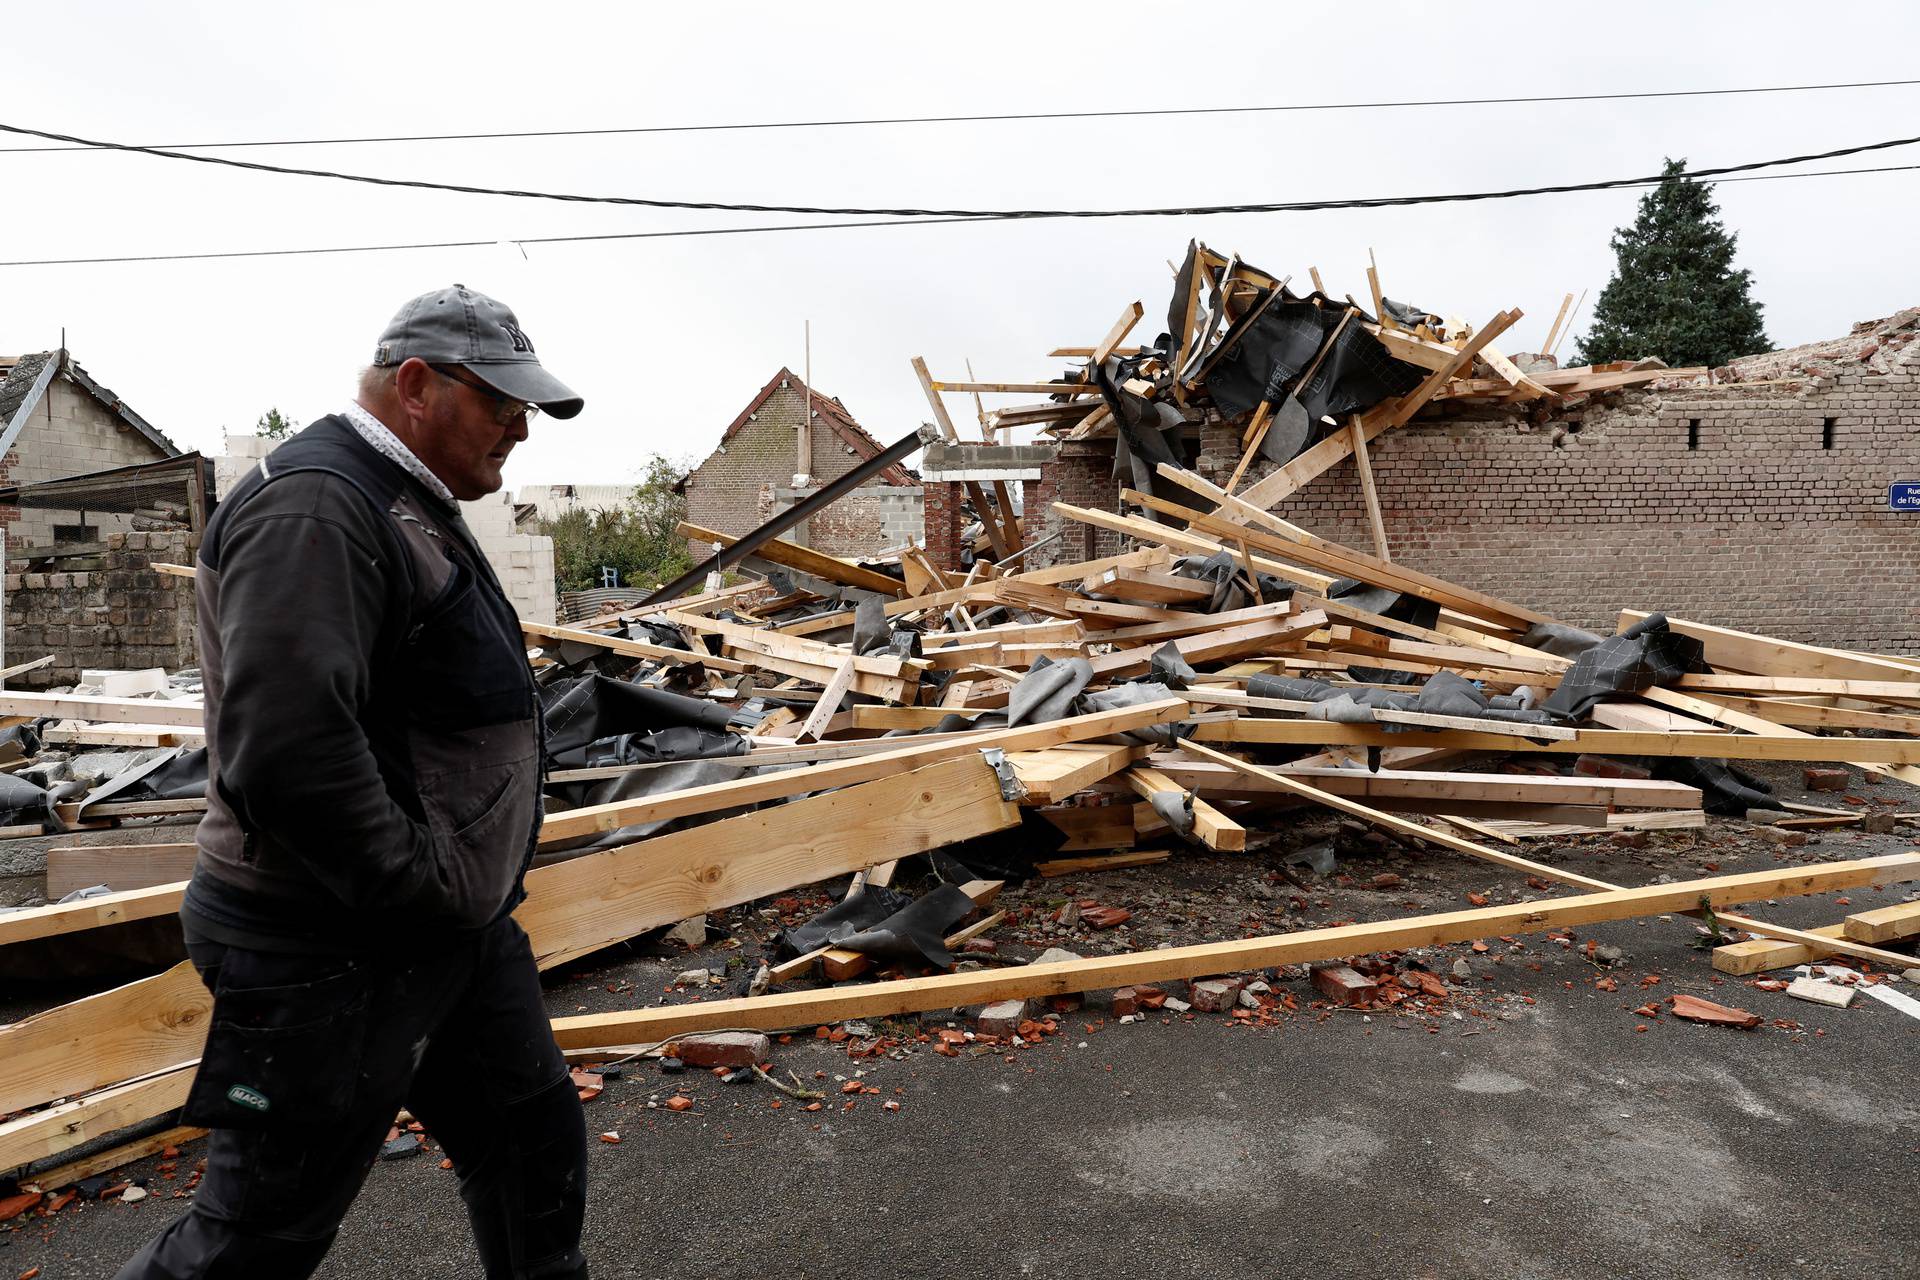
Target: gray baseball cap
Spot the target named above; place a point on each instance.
(461, 326)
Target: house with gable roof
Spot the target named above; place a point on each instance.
(755, 472)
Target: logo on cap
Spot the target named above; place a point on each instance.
(521, 342)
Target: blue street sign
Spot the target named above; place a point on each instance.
(1904, 495)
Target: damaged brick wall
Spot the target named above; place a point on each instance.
(125, 616)
(1762, 508)
(1080, 475)
(1758, 507)
(870, 519)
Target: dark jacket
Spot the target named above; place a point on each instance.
(373, 730)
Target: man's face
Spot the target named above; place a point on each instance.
(463, 442)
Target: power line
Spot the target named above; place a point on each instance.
(1376, 202)
(695, 231)
(1388, 105)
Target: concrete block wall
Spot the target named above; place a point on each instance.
(522, 561)
(69, 434)
(127, 615)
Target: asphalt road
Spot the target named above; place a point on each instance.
(1538, 1135)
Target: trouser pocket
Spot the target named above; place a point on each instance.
(285, 1045)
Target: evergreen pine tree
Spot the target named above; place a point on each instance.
(1674, 292)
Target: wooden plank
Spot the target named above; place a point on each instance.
(1760, 954)
(103, 1039)
(1143, 586)
(1884, 924)
(1121, 328)
(1055, 867)
(1264, 636)
(1402, 826)
(725, 795)
(1210, 827)
(1155, 557)
(1493, 788)
(1347, 562)
(1019, 388)
(118, 866)
(1616, 742)
(1099, 826)
(541, 633)
(880, 999)
(1363, 465)
(1708, 709)
(56, 918)
(794, 556)
(1870, 690)
(1559, 318)
(67, 706)
(136, 736)
(1541, 870)
(829, 702)
(1791, 711)
(940, 418)
(1054, 774)
(1064, 603)
(41, 1135)
(1385, 715)
(65, 1175)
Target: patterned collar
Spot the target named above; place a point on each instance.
(377, 434)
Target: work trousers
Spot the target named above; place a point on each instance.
(308, 1060)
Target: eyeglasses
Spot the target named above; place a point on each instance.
(508, 409)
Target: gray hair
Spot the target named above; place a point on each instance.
(377, 380)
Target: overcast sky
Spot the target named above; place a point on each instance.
(668, 338)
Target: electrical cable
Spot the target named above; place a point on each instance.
(1375, 202)
(1386, 105)
(695, 231)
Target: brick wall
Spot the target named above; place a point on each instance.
(126, 616)
(1080, 475)
(944, 522)
(69, 433)
(735, 489)
(1759, 526)
(871, 519)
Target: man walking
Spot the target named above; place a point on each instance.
(374, 771)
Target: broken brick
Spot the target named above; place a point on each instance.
(1125, 1001)
(1343, 984)
(1214, 995)
(1826, 779)
(1002, 1018)
(14, 1206)
(724, 1049)
(679, 1102)
(1694, 1009)
(1104, 917)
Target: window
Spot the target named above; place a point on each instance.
(1826, 432)
(1693, 433)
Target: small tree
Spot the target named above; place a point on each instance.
(637, 538)
(274, 425)
(1675, 293)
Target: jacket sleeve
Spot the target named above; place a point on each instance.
(303, 596)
